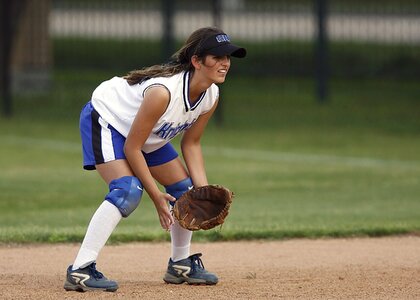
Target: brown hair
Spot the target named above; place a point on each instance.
(180, 60)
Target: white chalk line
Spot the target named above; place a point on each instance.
(233, 153)
(48, 144)
(294, 157)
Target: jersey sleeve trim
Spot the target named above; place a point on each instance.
(155, 85)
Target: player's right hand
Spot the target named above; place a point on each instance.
(165, 217)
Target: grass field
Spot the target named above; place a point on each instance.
(299, 169)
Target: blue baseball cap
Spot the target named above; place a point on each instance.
(220, 45)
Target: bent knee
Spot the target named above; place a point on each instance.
(179, 188)
(125, 193)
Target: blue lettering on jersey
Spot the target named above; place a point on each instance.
(167, 131)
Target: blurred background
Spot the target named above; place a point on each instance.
(320, 122)
(318, 40)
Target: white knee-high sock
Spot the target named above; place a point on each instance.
(102, 224)
(181, 242)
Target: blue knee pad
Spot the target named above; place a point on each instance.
(177, 189)
(125, 193)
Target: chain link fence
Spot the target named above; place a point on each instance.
(363, 39)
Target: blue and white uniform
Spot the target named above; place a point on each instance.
(106, 120)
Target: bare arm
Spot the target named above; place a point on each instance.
(154, 105)
(191, 149)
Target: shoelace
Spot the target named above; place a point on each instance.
(95, 273)
(197, 262)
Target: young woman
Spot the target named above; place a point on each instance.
(126, 130)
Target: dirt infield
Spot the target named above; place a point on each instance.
(375, 268)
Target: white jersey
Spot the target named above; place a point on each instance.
(117, 103)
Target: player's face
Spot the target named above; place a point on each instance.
(217, 67)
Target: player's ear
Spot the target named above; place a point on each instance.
(196, 62)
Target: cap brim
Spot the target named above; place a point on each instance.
(228, 49)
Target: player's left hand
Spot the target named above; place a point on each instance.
(203, 207)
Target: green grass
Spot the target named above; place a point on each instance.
(350, 167)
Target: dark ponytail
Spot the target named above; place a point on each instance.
(180, 60)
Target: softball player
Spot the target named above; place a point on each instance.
(126, 130)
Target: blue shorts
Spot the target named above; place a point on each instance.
(103, 143)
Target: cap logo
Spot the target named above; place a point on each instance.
(221, 38)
